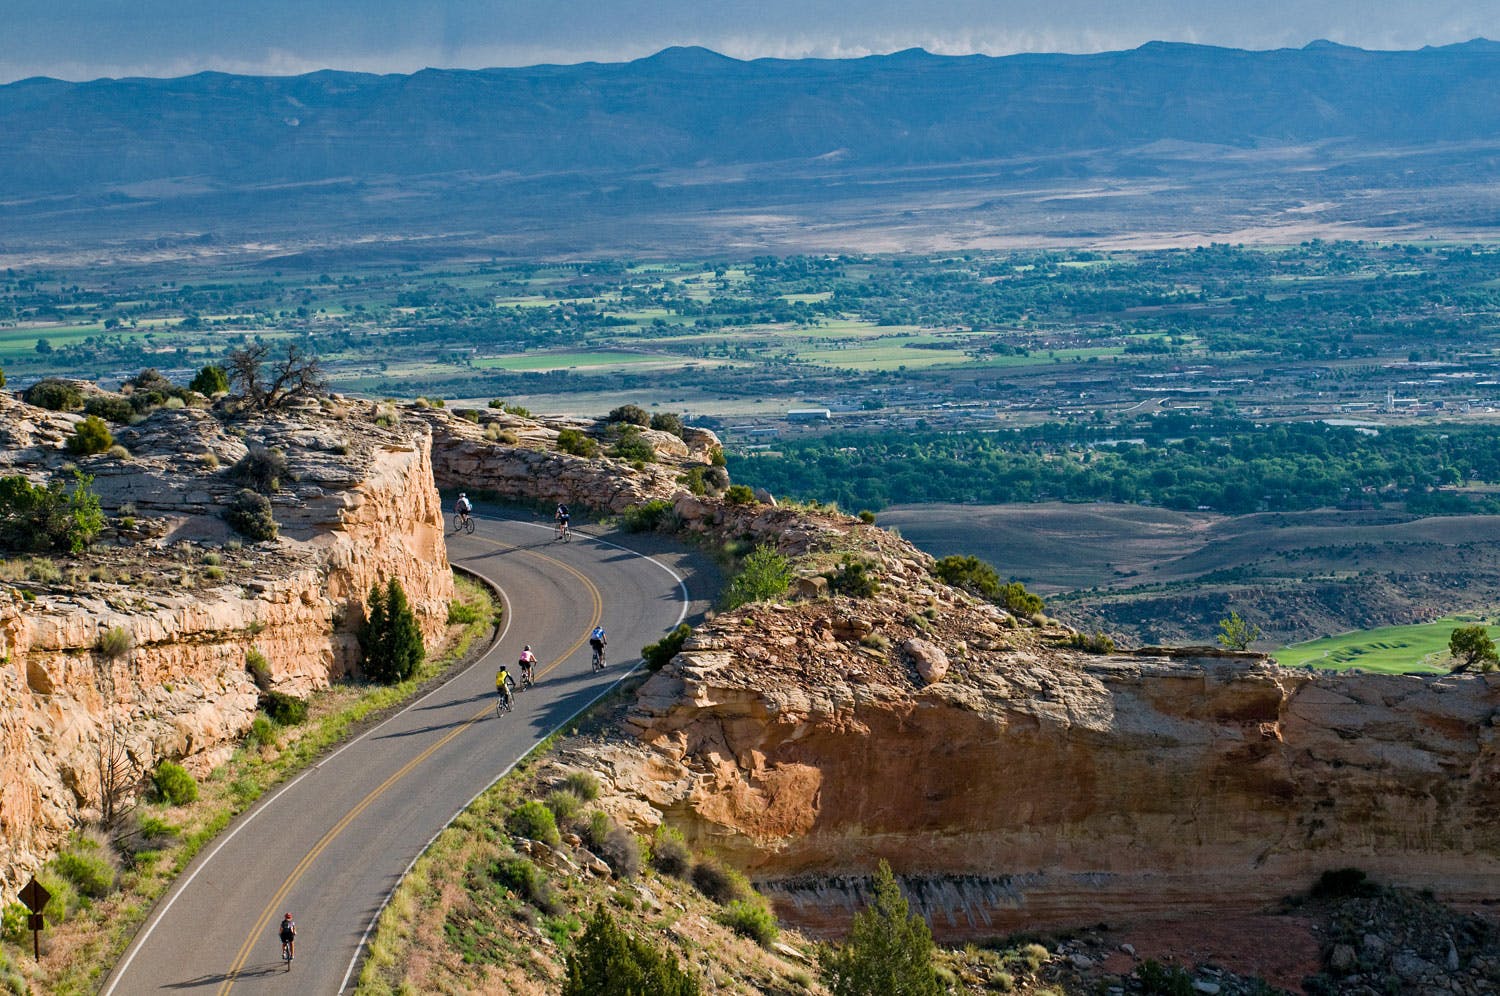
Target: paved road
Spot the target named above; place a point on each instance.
(331, 844)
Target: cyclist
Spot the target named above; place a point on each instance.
(562, 517)
(597, 640)
(463, 507)
(503, 683)
(288, 938)
(528, 663)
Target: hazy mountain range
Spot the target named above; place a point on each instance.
(688, 145)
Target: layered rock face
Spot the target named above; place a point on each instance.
(531, 468)
(356, 508)
(1029, 783)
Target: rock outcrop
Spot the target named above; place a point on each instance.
(357, 506)
(516, 457)
(1036, 784)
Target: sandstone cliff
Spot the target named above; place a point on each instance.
(515, 457)
(1019, 782)
(357, 507)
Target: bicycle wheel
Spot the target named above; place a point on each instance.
(469, 524)
(458, 523)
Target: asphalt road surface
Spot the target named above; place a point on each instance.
(331, 844)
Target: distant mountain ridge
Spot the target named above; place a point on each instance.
(113, 143)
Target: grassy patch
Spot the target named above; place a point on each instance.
(1390, 649)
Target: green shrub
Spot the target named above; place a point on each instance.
(597, 829)
(496, 434)
(564, 805)
(262, 732)
(716, 458)
(35, 518)
(249, 514)
(261, 469)
(114, 643)
(284, 710)
(888, 949)
(54, 394)
(534, 821)
(719, 882)
(582, 784)
(390, 640)
(867, 517)
(13, 920)
(89, 864)
(574, 441)
(1097, 642)
(211, 380)
(462, 613)
(693, 479)
(629, 415)
(669, 422)
(91, 436)
(1015, 597)
(971, 574)
(259, 668)
(739, 494)
(64, 897)
(853, 578)
(111, 408)
(634, 447)
(656, 655)
(1157, 979)
(608, 962)
(751, 918)
(669, 852)
(155, 828)
(526, 880)
(647, 516)
(764, 575)
(172, 784)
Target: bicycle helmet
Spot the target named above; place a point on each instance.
(287, 917)
(528, 646)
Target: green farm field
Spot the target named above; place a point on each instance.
(1390, 649)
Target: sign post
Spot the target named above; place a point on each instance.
(34, 898)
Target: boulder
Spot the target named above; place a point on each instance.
(931, 662)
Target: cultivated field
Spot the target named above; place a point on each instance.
(1391, 649)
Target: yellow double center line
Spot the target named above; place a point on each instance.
(328, 838)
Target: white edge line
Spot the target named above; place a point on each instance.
(681, 615)
(159, 915)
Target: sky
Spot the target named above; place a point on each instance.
(87, 39)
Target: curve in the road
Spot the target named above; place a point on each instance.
(359, 818)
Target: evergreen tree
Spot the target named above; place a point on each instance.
(609, 962)
(390, 639)
(888, 951)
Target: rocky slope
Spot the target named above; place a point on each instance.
(516, 458)
(357, 507)
(1018, 781)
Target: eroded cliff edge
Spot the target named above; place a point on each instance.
(357, 506)
(1017, 781)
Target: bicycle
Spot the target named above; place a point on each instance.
(597, 661)
(286, 953)
(564, 533)
(463, 522)
(506, 702)
(527, 680)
